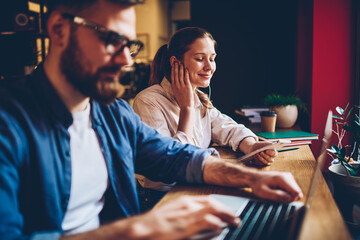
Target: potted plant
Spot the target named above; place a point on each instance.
(345, 168)
(286, 108)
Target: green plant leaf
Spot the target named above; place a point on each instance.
(343, 152)
(335, 148)
(347, 128)
(351, 109)
(336, 152)
(349, 119)
(351, 170)
(356, 120)
(337, 117)
(340, 110)
(277, 100)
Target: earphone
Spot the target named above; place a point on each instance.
(209, 92)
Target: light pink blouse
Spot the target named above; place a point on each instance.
(158, 108)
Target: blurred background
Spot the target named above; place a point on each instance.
(307, 48)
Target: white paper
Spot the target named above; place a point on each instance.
(274, 145)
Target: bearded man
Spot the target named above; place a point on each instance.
(69, 150)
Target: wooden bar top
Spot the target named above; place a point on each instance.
(323, 219)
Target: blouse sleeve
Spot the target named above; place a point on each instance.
(158, 116)
(226, 132)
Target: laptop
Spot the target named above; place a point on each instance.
(263, 219)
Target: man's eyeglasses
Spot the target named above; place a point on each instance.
(110, 38)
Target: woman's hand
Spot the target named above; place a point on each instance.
(181, 86)
(184, 95)
(266, 157)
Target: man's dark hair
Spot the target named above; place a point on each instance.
(78, 5)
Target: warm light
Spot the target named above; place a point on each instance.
(39, 49)
(35, 7)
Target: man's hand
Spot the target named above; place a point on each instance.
(277, 186)
(179, 219)
(266, 157)
(185, 217)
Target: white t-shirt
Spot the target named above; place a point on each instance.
(89, 176)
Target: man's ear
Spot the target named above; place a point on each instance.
(58, 29)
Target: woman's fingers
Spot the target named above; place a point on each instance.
(175, 76)
(267, 157)
(181, 75)
(187, 78)
(173, 73)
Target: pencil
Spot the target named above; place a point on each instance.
(287, 149)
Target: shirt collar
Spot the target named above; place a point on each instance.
(52, 102)
(49, 97)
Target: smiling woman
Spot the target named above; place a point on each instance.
(176, 108)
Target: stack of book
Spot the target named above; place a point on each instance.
(294, 138)
(251, 113)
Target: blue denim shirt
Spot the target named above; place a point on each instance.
(35, 161)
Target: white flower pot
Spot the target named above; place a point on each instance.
(286, 116)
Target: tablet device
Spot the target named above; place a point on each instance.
(273, 145)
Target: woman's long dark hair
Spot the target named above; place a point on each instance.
(178, 45)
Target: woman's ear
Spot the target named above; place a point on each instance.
(58, 30)
(172, 60)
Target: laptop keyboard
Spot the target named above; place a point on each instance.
(263, 221)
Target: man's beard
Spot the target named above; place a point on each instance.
(94, 85)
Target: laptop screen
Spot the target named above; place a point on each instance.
(320, 160)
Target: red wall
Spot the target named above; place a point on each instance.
(333, 57)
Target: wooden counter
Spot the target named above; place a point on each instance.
(322, 221)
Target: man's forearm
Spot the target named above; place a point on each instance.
(223, 173)
(277, 186)
(129, 228)
(177, 219)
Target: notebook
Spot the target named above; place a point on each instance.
(289, 135)
(263, 219)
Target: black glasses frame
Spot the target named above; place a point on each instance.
(107, 36)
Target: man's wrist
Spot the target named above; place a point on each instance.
(138, 230)
(133, 228)
(224, 173)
